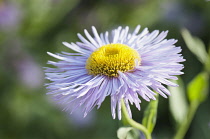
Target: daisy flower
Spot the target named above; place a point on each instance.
(120, 64)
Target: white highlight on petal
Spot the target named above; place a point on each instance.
(76, 48)
(86, 42)
(136, 30)
(90, 38)
(97, 36)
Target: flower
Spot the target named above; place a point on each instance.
(121, 65)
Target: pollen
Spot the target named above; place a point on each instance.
(111, 58)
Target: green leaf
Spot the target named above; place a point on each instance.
(198, 88)
(150, 114)
(127, 133)
(195, 45)
(178, 102)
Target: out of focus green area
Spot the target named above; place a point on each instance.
(30, 28)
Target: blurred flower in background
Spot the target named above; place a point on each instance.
(24, 67)
(10, 16)
(175, 13)
(78, 120)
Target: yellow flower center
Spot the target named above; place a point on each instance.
(111, 58)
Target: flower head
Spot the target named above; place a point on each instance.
(121, 65)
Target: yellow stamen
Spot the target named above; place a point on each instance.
(111, 58)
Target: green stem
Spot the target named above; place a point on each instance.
(186, 122)
(134, 123)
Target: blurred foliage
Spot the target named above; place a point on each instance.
(195, 45)
(30, 28)
(127, 133)
(198, 88)
(178, 102)
(150, 115)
